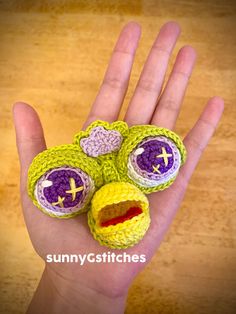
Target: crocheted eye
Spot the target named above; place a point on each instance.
(64, 190)
(152, 160)
(62, 181)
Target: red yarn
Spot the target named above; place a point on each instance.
(131, 212)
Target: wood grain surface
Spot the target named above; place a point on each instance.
(53, 55)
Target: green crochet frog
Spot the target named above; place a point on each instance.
(106, 172)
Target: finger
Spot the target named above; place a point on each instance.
(29, 135)
(149, 86)
(30, 141)
(197, 139)
(170, 102)
(115, 83)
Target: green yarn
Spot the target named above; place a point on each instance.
(101, 160)
(107, 168)
(59, 156)
(136, 135)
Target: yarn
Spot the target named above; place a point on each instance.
(139, 160)
(49, 178)
(115, 197)
(106, 172)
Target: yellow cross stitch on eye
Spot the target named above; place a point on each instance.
(156, 168)
(74, 189)
(59, 201)
(164, 155)
(107, 171)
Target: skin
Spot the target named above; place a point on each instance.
(102, 288)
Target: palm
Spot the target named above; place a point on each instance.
(73, 236)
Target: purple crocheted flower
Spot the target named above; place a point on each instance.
(101, 142)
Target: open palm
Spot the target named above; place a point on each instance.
(149, 105)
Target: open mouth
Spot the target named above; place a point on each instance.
(114, 214)
(119, 215)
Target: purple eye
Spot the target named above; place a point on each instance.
(63, 191)
(154, 161)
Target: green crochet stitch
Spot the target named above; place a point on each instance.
(146, 156)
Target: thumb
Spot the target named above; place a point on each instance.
(29, 136)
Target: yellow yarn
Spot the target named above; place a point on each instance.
(64, 155)
(136, 135)
(114, 191)
(124, 234)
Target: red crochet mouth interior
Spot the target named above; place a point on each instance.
(127, 215)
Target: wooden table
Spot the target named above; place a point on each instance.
(53, 55)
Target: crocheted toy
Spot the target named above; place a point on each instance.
(107, 171)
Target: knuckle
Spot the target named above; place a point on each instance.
(123, 52)
(196, 144)
(169, 105)
(148, 85)
(31, 139)
(115, 82)
(207, 124)
(162, 50)
(180, 74)
(183, 180)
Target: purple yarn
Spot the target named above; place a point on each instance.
(101, 142)
(61, 184)
(148, 158)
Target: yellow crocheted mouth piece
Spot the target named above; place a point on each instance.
(106, 172)
(108, 219)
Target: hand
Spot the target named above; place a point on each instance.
(95, 288)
